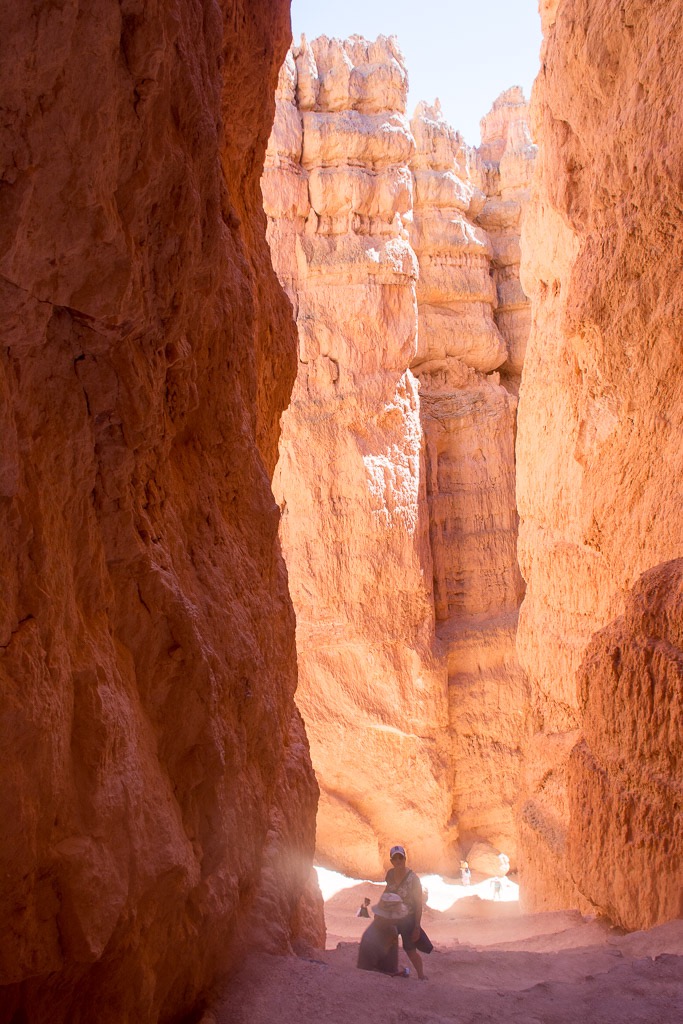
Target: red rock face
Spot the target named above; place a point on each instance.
(599, 455)
(151, 747)
(625, 778)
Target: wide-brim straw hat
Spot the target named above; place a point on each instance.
(390, 906)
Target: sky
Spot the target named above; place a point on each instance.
(466, 52)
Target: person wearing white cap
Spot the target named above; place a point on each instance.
(378, 950)
(406, 885)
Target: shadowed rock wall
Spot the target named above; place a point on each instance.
(151, 746)
(625, 775)
(600, 462)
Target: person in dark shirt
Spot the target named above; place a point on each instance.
(406, 884)
(363, 909)
(378, 950)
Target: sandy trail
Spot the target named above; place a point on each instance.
(491, 965)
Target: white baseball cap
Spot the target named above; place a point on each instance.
(390, 906)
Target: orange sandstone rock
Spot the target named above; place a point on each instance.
(505, 163)
(350, 478)
(151, 746)
(399, 521)
(600, 421)
(456, 295)
(468, 423)
(625, 776)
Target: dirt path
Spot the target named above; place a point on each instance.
(491, 965)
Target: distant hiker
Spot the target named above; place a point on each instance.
(465, 873)
(378, 950)
(363, 909)
(497, 888)
(405, 884)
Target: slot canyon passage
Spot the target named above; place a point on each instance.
(321, 427)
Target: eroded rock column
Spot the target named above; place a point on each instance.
(503, 169)
(468, 421)
(399, 522)
(350, 479)
(154, 765)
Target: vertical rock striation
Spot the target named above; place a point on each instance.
(151, 747)
(599, 463)
(399, 520)
(468, 423)
(350, 479)
(503, 168)
(624, 777)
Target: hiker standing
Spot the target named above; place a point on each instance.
(405, 883)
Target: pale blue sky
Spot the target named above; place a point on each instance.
(466, 52)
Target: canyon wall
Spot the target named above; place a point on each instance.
(600, 465)
(157, 799)
(349, 479)
(468, 423)
(503, 169)
(396, 470)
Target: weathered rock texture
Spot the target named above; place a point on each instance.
(398, 521)
(503, 168)
(350, 479)
(468, 423)
(600, 463)
(156, 793)
(625, 777)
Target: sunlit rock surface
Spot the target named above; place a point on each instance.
(468, 424)
(398, 514)
(503, 168)
(350, 479)
(156, 792)
(456, 293)
(600, 461)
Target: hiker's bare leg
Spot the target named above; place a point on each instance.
(416, 961)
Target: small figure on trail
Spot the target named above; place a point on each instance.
(405, 884)
(378, 950)
(363, 909)
(497, 888)
(465, 873)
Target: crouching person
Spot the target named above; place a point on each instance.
(378, 950)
